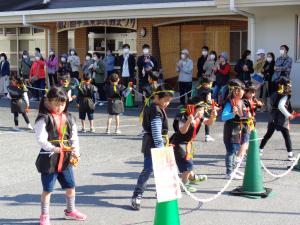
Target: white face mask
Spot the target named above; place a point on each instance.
(281, 52)
(269, 59)
(95, 58)
(249, 57)
(126, 50)
(51, 53)
(87, 57)
(1, 58)
(25, 56)
(204, 52)
(212, 57)
(63, 59)
(72, 53)
(146, 51)
(183, 56)
(37, 58)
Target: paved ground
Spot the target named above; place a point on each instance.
(110, 166)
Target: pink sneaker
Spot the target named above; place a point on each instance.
(45, 219)
(75, 215)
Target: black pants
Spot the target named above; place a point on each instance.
(206, 130)
(53, 77)
(16, 118)
(101, 92)
(285, 133)
(184, 87)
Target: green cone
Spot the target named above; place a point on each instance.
(167, 213)
(129, 101)
(297, 167)
(253, 181)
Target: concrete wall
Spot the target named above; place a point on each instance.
(275, 26)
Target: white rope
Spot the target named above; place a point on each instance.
(203, 200)
(283, 174)
(40, 89)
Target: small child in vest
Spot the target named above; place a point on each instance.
(280, 116)
(86, 100)
(19, 103)
(186, 126)
(115, 106)
(155, 125)
(56, 133)
(235, 133)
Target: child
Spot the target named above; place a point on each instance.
(150, 88)
(86, 100)
(204, 95)
(155, 125)
(114, 92)
(63, 66)
(17, 91)
(64, 83)
(186, 126)
(235, 128)
(280, 116)
(251, 104)
(56, 132)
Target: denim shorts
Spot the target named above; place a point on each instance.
(65, 178)
(184, 165)
(245, 138)
(90, 115)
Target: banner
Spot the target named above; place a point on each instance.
(121, 23)
(165, 173)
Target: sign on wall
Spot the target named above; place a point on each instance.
(121, 23)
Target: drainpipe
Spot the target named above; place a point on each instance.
(251, 26)
(26, 24)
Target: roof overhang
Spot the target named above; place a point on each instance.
(179, 9)
(257, 3)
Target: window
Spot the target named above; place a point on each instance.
(36, 30)
(298, 39)
(11, 31)
(25, 30)
(1, 30)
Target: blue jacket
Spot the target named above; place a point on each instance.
(4, 68)
(110, 63)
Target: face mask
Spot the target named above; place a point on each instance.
(126, 50)
(212, 57)
(146, 51)
(182, 56)
(87, 58)
(108, 53)
(269, 59)
(95, 58)
(281, 52)
(37, 58)
(1, 58)
(249, 57)
(51, 53)
(63, 59)
(25, 56)
(72, 52)
(204, 53)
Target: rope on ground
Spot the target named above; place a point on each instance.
(283, 174)
(204, 200)
(40, 89)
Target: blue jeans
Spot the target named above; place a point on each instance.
(41, 84)
(144, 176)
(231, 149)
(216, 91)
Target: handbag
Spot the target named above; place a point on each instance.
(117, 106)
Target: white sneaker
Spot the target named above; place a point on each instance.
(208, 138)
(16, 129)
(235, 177)
(100, 103)
(118, 131)
(29, 126)
(107, 131)
(291, 156)
(261, 151)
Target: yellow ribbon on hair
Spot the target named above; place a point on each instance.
(147, 102)
(280, 89)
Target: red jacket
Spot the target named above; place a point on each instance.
(38, 69)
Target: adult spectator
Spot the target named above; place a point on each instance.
(127, 65)
(283, 64)
(52, 65)
(185, 68)
(145, 63)
(37, 77)
(244, 67)
(99, 76)
(201, 61)
(4, 74)
(74, 61)
(109, 63)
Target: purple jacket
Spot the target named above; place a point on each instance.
(52, 64)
